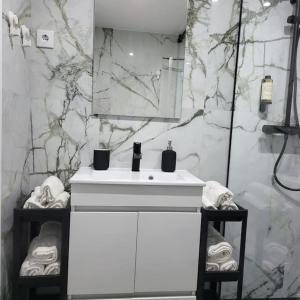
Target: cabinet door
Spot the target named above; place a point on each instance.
(167, 252)
(102, 253)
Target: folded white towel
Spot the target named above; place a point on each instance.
(218, 250)
(229, 205)
(211, 266)
(51, 188)
(207, 203)
(52, 269)
(31, 268)
(45, 249)
(37, 192)
(33, 203)
(61, 201)
(216, 195)
(230, 265)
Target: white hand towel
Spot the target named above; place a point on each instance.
(211, 266)
(45, 249)
(217, 193)
(230, 265)
(207, 203)
(229, 205)
(52, 269)
(61, 201)
(51, 188)
(37, 192)
(219, 250)
(33, 203)
(30, 268)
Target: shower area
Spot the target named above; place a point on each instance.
(272, 265)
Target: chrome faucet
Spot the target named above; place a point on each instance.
(137, 156)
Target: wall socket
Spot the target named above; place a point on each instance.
(45, 39)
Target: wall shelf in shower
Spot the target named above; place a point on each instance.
(277, 129)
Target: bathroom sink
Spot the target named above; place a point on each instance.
(147, 188)
(144, 177)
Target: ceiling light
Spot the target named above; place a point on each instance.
(267, 3)
(214, 0)
(131, 54)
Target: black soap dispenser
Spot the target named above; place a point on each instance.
(168, 162)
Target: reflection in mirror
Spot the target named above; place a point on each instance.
(139, 51)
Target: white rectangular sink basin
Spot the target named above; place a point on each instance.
(144, 177)
(124, 188)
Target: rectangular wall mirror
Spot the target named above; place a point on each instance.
(139, 52)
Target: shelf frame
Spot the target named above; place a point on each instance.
(218, 216)
(25, 228)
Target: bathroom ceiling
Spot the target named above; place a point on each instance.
(155, 16)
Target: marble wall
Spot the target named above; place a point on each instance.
(273, 244)
(15, 132)
(131, 74)
(64, 133)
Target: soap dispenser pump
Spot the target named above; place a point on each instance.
(168, 162)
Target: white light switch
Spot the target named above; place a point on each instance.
(45, 39)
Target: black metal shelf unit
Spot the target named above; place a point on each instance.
(26, 226)
(204, 276)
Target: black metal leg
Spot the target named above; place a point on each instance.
(202, 257)
(63, 292)
(239, 289)
(65, 227)
(242, 259)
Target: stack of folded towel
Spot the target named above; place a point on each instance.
(219, 253)
(43, 256)
(216, 196)
(51, 194)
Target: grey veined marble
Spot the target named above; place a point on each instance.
(65, 133)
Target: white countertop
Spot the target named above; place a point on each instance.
(116, 176)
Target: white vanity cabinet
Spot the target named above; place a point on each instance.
(133, 250)
(167, 252)
(102, 253)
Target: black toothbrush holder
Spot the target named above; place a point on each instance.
(101, 159)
